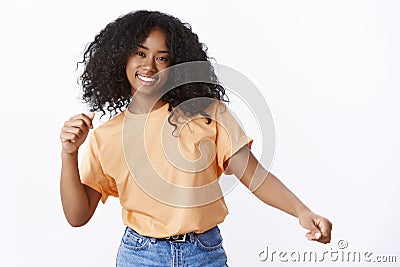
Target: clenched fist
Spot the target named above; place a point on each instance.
(75, 131)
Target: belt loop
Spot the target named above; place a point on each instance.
(191, 237)
(153, 240)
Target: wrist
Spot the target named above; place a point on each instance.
(69, 155)
(301, 211)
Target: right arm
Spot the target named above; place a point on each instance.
(78, 200)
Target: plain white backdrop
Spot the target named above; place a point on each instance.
(329, 71)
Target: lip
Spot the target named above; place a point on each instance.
(147, 79)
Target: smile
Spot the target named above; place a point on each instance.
(147, 80)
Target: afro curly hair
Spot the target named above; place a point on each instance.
(104, 81)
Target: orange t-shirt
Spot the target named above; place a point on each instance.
(166, 176)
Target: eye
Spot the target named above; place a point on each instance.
(140, 53)
(164, 59)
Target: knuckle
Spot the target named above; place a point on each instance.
(81, 123)
(81, 132)
(73, 137)
(76, 131)
(82, 116)
(63, 136)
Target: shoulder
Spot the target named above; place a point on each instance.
(220, 112)
(214, 109)
(110, 129)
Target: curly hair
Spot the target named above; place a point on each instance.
(104, 81)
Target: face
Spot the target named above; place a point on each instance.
(144, 68)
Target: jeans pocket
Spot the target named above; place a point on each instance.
(210, 240)
(133, 240)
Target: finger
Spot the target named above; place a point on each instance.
(68, 137)
(78, 123)
(324, 239)
(326, 229)
(81, 119)
(79, 132)
(315, 234)
(91, 115)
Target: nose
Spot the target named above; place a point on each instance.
(149, 64)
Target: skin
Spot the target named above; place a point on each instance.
(273, 192)
(79, 201)
(151, 59)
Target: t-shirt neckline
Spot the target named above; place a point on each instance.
(152, 114)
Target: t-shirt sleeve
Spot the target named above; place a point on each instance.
(92, 174)
(230, 136)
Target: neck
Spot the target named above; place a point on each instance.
(145, 104)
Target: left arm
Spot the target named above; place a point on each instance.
(273, 192)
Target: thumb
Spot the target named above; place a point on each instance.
(314, 233)
(309, 221)
(91, 115)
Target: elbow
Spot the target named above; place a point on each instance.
(76, 224)
(76, 221)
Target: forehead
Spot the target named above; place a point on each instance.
(155, 38)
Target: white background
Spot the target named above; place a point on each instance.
(329, 71)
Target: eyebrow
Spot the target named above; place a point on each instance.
(146, 48)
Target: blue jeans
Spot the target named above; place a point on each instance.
(204, 249)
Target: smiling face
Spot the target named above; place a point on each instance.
(150, 58)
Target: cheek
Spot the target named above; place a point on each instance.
(164, 75)
(131, 64)
(130, 71)
(164, 71)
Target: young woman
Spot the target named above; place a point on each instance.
(171, 202)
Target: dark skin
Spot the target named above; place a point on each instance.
(144, 72)
(83, 200)
(80, 201)
(273, 192)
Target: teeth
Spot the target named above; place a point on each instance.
(146, 79)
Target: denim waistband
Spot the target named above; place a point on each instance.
(190, 236)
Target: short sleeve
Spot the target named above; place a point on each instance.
(92, 174)
(230, 136)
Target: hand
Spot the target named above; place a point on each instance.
(75, 131)
(320, 227)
